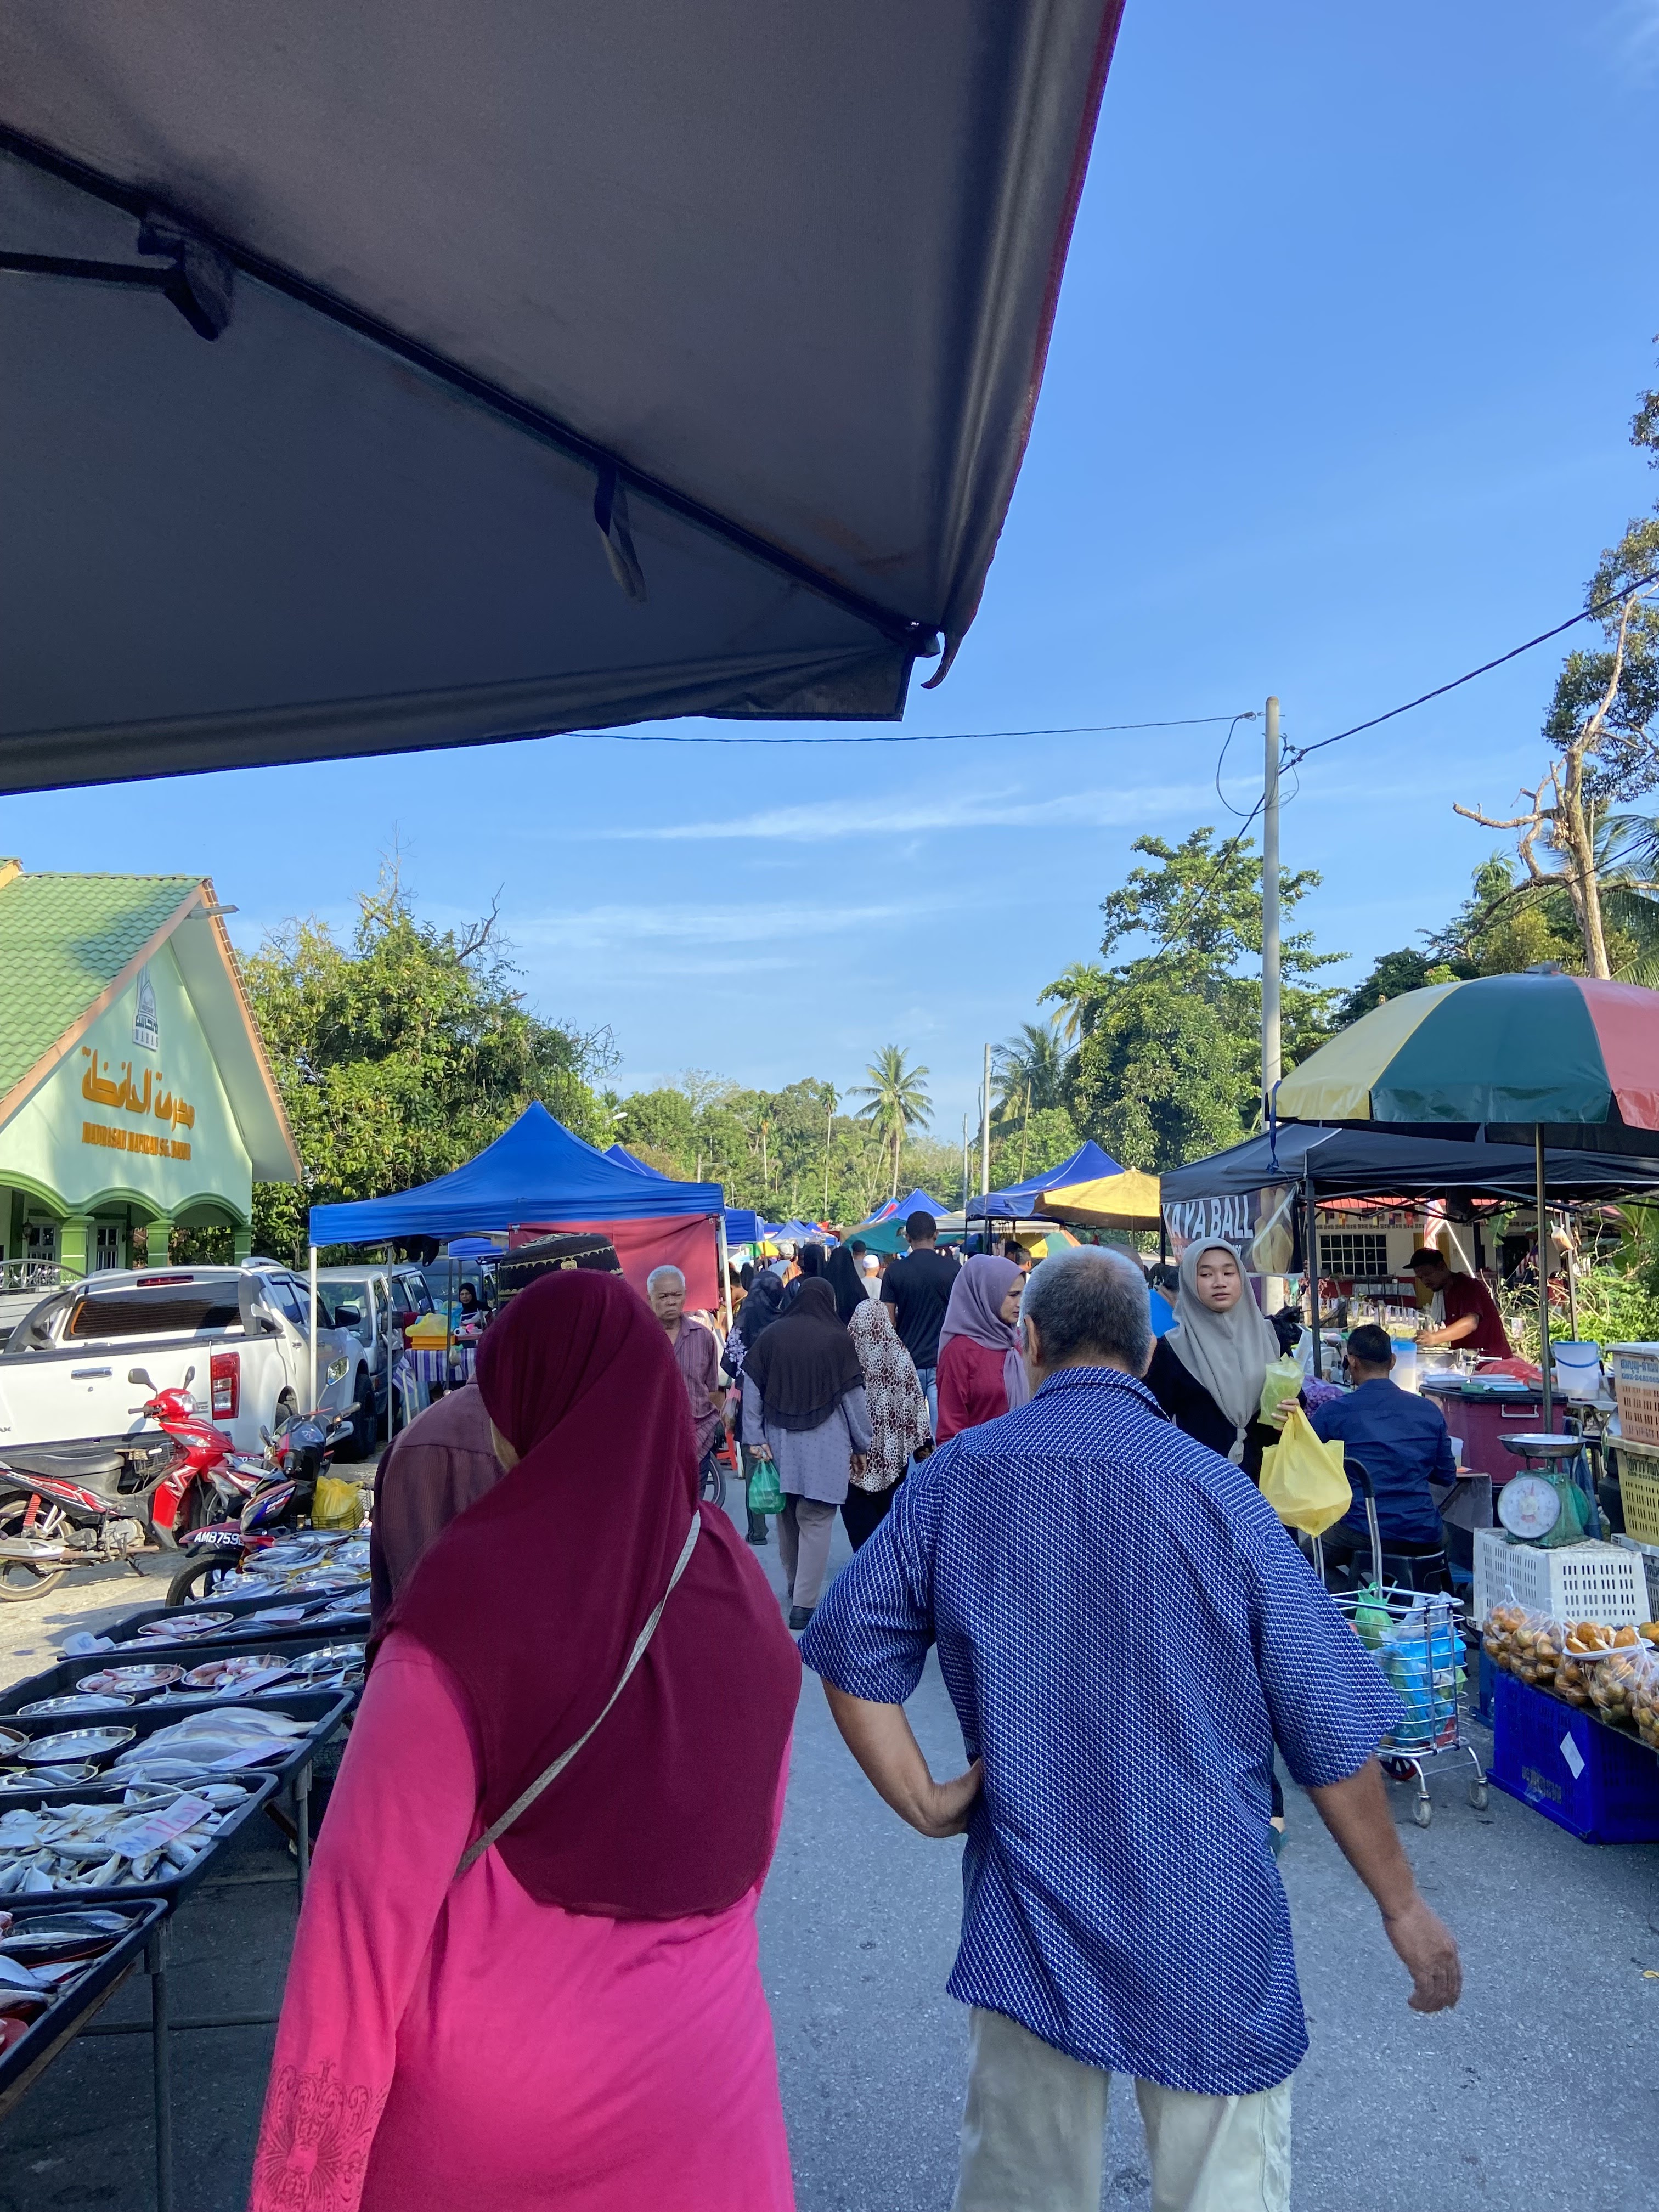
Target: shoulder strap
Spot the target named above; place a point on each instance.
(522, 1803)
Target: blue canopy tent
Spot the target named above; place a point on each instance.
(901, 1209)
(1018, 1202)
(535, 1171)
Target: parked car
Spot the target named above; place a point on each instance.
(240, 1339)
(372, 1305)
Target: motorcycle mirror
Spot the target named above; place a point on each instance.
(265, 1434)
(139, 1375)
(190, 1374)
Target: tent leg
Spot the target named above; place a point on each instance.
(1310, 1260)
(1543, 1280)
(314, 1329)
(724, 1267)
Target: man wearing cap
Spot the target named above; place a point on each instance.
(1465, 1314)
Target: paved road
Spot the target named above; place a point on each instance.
(1536, 2093)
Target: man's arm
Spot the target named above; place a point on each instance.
(1453, 1332)
(1356, 1814)
(881, 1740)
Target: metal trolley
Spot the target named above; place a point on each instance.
(1416, 1637)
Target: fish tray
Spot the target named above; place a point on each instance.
(324, 1708)
(60, 1680)
(1595, 1782)
(127, 1628)
(177, 1883)
(75, 2003)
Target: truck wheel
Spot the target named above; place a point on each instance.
(19, 1580)
(199, 1580)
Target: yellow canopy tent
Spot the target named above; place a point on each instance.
(1129, 1200)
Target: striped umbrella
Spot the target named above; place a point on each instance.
(1500, 1048)
(1498, 1051)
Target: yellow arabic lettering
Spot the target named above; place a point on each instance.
(184, 1117)
(163, 1099)
(135, 1103)
(96, 1088)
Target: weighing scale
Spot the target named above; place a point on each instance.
(1548, 1504)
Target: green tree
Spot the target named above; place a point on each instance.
(401, 1054)
(1031, 1073)
(898, 1101)
(1602, 729)
(1169, 1065)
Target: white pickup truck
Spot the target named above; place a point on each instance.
(240, 1338)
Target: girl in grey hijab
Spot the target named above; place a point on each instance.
(1222, 1344)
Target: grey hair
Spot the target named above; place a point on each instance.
(1090, 1300)
(657, 1274)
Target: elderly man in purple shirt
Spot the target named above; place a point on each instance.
(696, 1354)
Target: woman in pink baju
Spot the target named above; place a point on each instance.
(576, 2021)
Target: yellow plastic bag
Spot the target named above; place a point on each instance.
(336, 1504)
(1283, 1380)
(1302, 1478)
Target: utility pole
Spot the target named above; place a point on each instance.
(966, 1193)
(985, 1127)
(1271, 1063)
(828, 1139)
(1273, 1286)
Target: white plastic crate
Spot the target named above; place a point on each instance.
(1648, 1555)
(1576, 1582)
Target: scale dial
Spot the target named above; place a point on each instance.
(1528, 1506)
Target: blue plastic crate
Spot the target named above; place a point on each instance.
(1487, 1677)
(1601, 1785)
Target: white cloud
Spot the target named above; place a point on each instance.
(605, 928)
(925, 812)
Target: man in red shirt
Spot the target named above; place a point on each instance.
(1469, 1314)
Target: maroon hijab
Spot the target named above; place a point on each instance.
(533, 1598)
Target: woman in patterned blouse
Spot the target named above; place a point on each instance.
(898, 1419)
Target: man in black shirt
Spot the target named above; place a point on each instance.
(918, 1288)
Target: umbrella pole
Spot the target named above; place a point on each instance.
(1543, 1280)
(1310, 1258)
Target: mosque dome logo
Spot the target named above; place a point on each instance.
(146, 1030)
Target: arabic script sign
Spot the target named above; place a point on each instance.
(146, 1028)
(99, 1090)
(134, 1140)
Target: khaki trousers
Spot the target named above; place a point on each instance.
(1034, 2128)
(805, 1528)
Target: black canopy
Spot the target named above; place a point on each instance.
(506, 369)
(1361, 1162)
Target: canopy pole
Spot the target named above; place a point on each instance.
(1543, 1279)
(314, 1397)
(724, 1266)
(1310, 1257)
(1568, 1240)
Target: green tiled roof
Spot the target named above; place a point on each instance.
(62, 939)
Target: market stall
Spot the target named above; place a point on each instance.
(1020, 1201)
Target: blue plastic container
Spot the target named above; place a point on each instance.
(1598, 1783)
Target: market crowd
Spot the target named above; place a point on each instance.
(531, 1915)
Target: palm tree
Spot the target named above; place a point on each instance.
(899, 1100)
(1080, 991)
(1031, 1071)
(1628, 865)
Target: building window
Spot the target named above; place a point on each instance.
(39, 1255)
(106, 1246)
(1357, 1255)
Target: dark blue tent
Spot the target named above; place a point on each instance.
(1019, 1201)
(534, 1171)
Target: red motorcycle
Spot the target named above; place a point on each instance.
(76, 1505)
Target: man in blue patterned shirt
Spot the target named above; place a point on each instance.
(1125, 1631)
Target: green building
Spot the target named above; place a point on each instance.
(135, 1093)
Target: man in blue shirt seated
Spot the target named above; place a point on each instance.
(1401, 1441)
(1126, 1632)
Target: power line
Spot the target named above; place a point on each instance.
(1596, 607)
(895, 737)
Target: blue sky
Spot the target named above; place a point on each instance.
(1356, 311)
